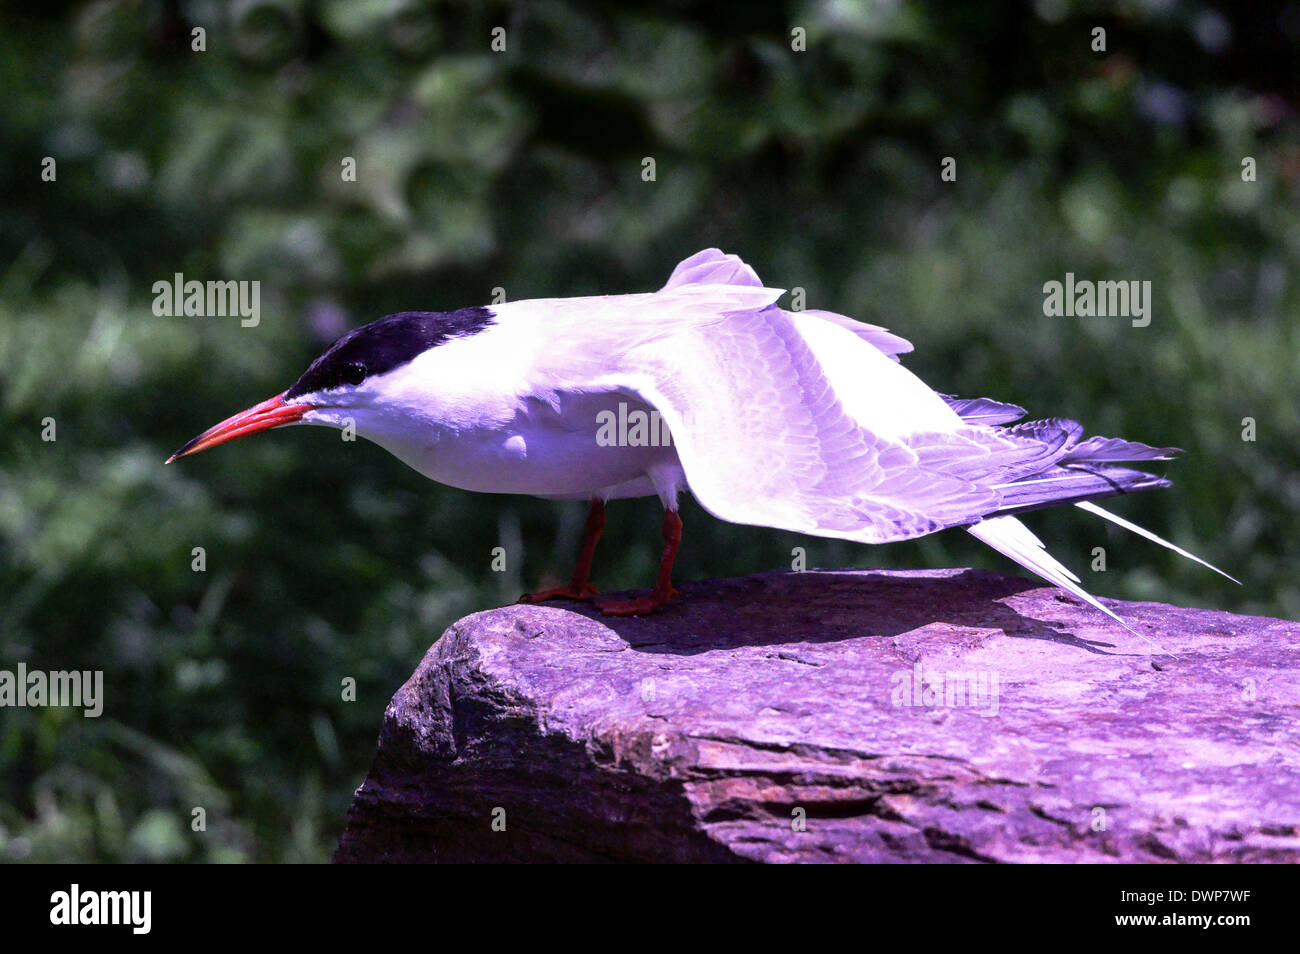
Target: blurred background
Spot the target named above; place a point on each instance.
(522, 170)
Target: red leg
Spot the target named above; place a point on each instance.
(663, 590)
(579, 587)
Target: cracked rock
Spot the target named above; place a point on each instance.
(921, 716)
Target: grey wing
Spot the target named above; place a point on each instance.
(764, 439)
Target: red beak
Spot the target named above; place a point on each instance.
(260, 417)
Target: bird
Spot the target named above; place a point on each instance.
(800, 420)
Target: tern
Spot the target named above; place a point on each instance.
(797, 420)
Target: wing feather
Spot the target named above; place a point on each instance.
(764, 438)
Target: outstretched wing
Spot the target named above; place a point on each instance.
(765, 437)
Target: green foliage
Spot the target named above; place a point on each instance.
(328, 561)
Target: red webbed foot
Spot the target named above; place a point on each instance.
(638, 606)
(570, 591)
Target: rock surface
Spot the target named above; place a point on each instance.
(780, 717)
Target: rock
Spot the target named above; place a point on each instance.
(779, 717)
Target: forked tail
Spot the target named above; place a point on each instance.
(1087, 471)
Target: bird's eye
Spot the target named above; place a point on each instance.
(354, 372)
